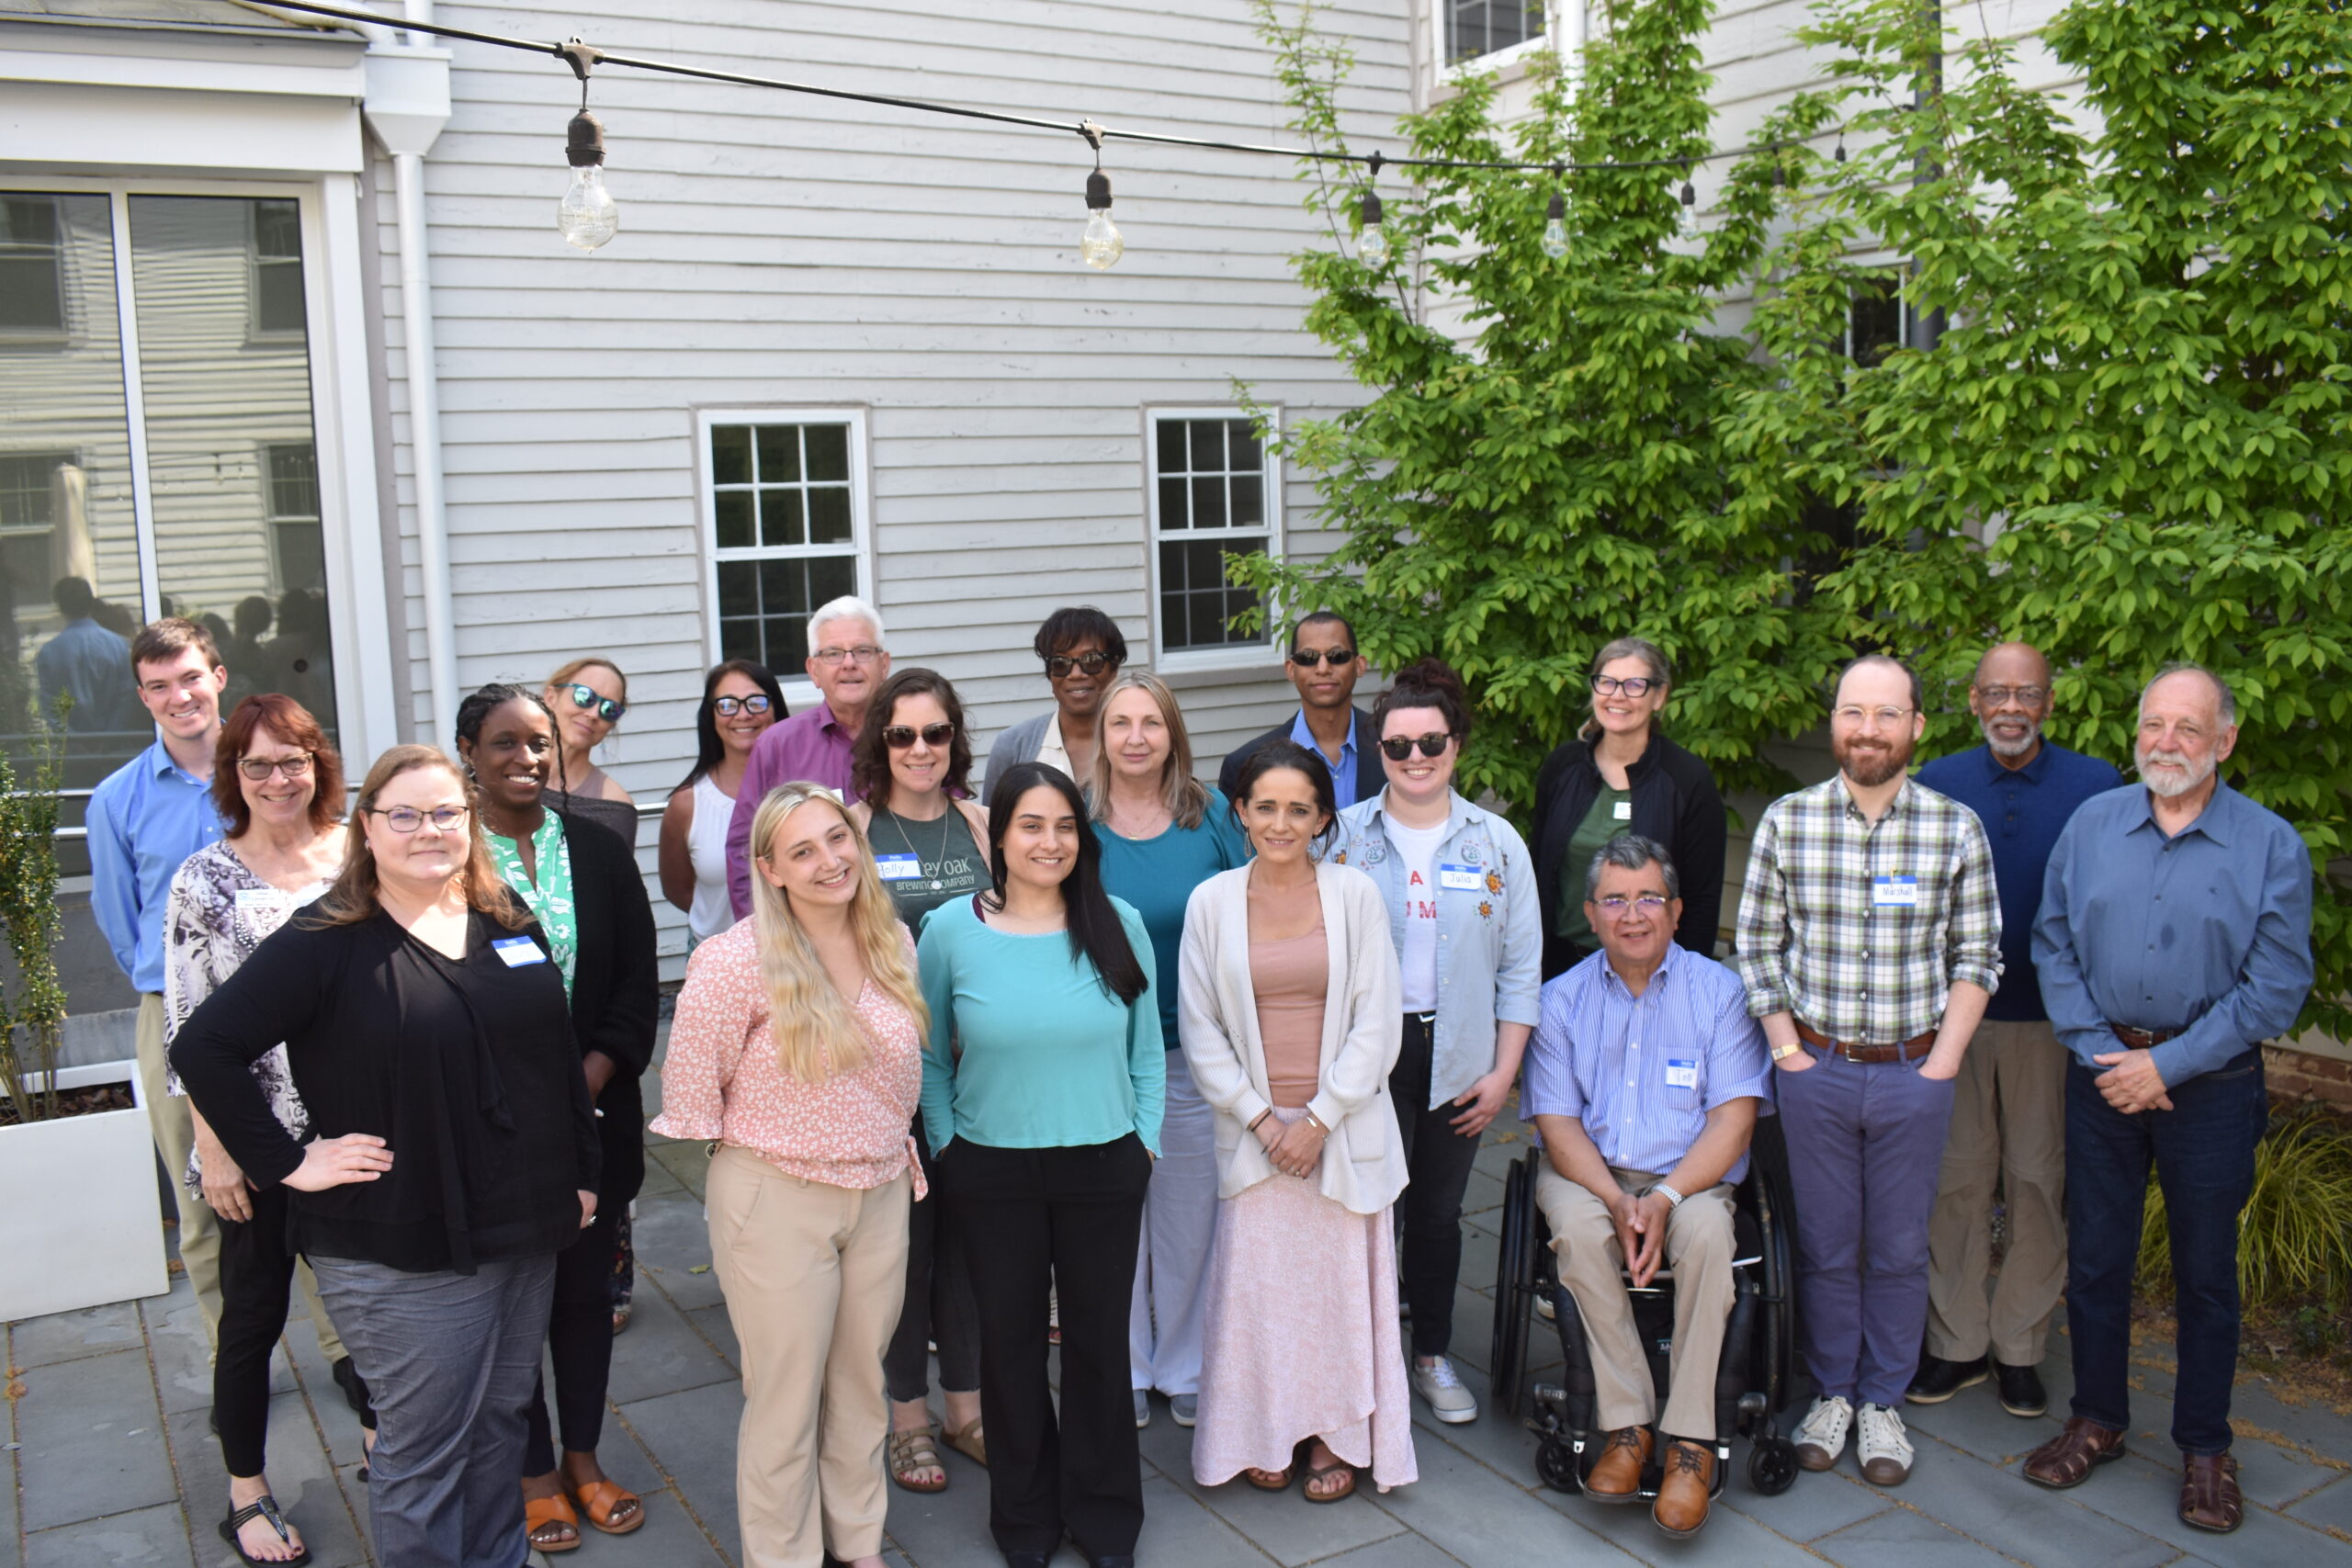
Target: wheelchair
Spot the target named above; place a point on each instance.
(1759, 1342)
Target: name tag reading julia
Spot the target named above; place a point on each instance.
(898, 868)
(1894, 892)
(518, 951)
(1462, 878)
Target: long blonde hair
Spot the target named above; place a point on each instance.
(816, 1037)
(1186, 798)
(353, 896)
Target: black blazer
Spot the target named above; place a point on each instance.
(615, 985)
(1676, 804)
(1371, 777)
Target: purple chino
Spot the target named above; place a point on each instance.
(1865, 1144)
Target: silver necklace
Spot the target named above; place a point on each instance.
(939, 859)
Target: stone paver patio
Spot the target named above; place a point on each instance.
(110, 1462)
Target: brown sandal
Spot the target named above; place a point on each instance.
(538, 1513)
(1337, 1467)
(971, 1441)
(1271, 1480)
(601, 1502)
(911, 1451)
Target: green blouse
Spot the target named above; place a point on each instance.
(551, 899)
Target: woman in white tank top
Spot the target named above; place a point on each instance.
(740, 701)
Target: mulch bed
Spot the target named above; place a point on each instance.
(78, 1101)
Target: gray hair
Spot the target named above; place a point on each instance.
(1661, 669)
(2228, 699)
(848, 607)
(1631, 852)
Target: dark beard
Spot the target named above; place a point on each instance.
(1870, 769)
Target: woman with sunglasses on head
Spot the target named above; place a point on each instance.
(453, 1149)
(1042, 1086)
(584, 888)
(587, 698)
(908, 772)
(1289, 1007)
(1165, 833)
(1621, 774)
(740, 701)
(1082, 649)
(1460, 889)
(798, 1049)
(278, 787)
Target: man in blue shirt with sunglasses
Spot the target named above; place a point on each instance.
(1324, 666)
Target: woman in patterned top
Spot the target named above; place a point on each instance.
(796, 1046)
(279, 788)
(583, 886)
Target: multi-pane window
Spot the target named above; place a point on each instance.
(1474, 28)
(785, 526)
(1213, 493)
(295, 536)
(277, 267)
(27, 516)
(32, 293)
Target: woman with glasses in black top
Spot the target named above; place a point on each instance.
(1082, 650)
(740, 702)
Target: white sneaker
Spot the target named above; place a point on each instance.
(1882, 1448)
(1821, 1436)
(1447, 1400)
(1143, 1408)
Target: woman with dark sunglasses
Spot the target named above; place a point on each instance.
(1461, 892)
(741, 700)
(587, 697)
(1621, 774)
(907, 770)
(1082, 650)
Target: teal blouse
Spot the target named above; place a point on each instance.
(1158, 875)
(550, 900)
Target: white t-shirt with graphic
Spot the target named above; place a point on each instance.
(1417, 848)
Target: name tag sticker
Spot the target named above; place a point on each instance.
(898, 868)
(1462, 879)
(1682, 1075)
(1894, 892)
(1622, 810)
(518, 951)
(258, 898)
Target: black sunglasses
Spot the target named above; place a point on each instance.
(1400, 747)
(1060, 664)
(1308, 658)
(606, 710)
(898, 736)
(727, 707)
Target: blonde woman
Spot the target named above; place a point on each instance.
(797, 1046)
(587, 697)
(1165, 833)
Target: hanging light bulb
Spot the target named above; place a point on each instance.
(1556, 228)
(587, 216)
(1102, 245)
(1372, 244)
(1840, 153)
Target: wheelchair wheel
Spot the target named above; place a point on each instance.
(1515, 1274)
(1771, 1465)
(1776, 1300)
(1555, 1465)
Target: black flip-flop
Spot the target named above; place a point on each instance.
(266, 1507)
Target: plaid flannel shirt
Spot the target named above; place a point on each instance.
(1858, 928)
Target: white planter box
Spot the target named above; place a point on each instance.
(81, 1222)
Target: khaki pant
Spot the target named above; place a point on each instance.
(814, 1277)
(2008, 1127)
(1699, 1250)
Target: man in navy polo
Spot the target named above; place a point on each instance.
(2009, 1113)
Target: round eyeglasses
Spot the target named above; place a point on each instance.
(258, 769)
(408, 819)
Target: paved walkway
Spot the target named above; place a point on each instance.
(110, 1462)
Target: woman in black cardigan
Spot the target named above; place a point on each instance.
(454, 1149)
(1622, 775)
(583, 885)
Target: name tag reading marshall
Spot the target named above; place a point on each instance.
(518, 951)
(1461, 878)
(1894, 892)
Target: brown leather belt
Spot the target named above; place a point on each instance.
(1909, 1050)
(2141, 1039)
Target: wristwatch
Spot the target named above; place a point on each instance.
(1673, 1199)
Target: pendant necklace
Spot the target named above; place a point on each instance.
(939, 860)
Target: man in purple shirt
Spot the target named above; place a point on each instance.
(848, 662)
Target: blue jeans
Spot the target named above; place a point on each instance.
(2202, 1150)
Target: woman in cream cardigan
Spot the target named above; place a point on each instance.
(1288, 1010)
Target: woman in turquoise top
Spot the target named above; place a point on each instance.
(583, 885)
(1167, 833)
(1042, 1086)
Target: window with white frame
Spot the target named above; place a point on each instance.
(278, 268)
(297, 546)
(1475, 28)
(787, 525)
(1214, 491)
(32, 267)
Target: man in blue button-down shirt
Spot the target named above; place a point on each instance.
(1644, 1078)
(2174, 938)
(145, 818)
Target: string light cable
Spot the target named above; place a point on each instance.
(588, 217)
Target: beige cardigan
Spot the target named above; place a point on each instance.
(1363, 1160)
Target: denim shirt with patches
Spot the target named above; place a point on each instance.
(1490, 937)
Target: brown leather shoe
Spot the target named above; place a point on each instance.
(1681, 1505)
(1617, 1476)
(2209, 1492)
(2067, 1459)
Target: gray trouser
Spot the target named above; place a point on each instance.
(449, 1360)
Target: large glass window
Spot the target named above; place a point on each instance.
(1475, 27)
(1213, 493)
(787, 526)
(32, 294)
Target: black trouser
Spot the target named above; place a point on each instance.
(939, 1304)
(256, 1273)
(1067, 1219)
(1428, 1213)
(579, 1340)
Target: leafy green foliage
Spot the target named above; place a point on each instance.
(32, 1001)
(2295, 1232)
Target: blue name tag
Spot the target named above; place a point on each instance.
(518, 951)
(1461, 878)
(1681, 1074)
(898, 868)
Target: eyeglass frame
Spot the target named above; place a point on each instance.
(1444, 738)
(856, 653)
(433, 817)
(588, 699)
(1631, 685)
(1996, 696)
(891, 733)
(294, 768)
(1861, 718)
(1617, 905)
(743, 704)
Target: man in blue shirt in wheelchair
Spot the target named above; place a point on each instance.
(1644, 1078)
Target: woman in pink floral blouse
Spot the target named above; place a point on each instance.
(810, 1186)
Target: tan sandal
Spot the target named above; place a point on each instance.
(912, 1452)
(601, 1504)
(545, 1513)
(972, 1442)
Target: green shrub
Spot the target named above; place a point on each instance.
(2295, 1235)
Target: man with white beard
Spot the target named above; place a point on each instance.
(2174, 938)
(2008, 1107)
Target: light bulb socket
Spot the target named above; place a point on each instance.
(1780, 173)
(1098, 191)
(1369, 210)
(1557, 211)
(584, 141)
(1840, 154)
(1689, 195)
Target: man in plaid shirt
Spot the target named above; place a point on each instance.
(1869, 940)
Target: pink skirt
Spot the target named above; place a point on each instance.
(1301, 1339)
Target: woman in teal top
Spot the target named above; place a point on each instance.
(1167, 834)
(1042, 1086)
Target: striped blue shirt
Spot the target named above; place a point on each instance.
(1642, 1072)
